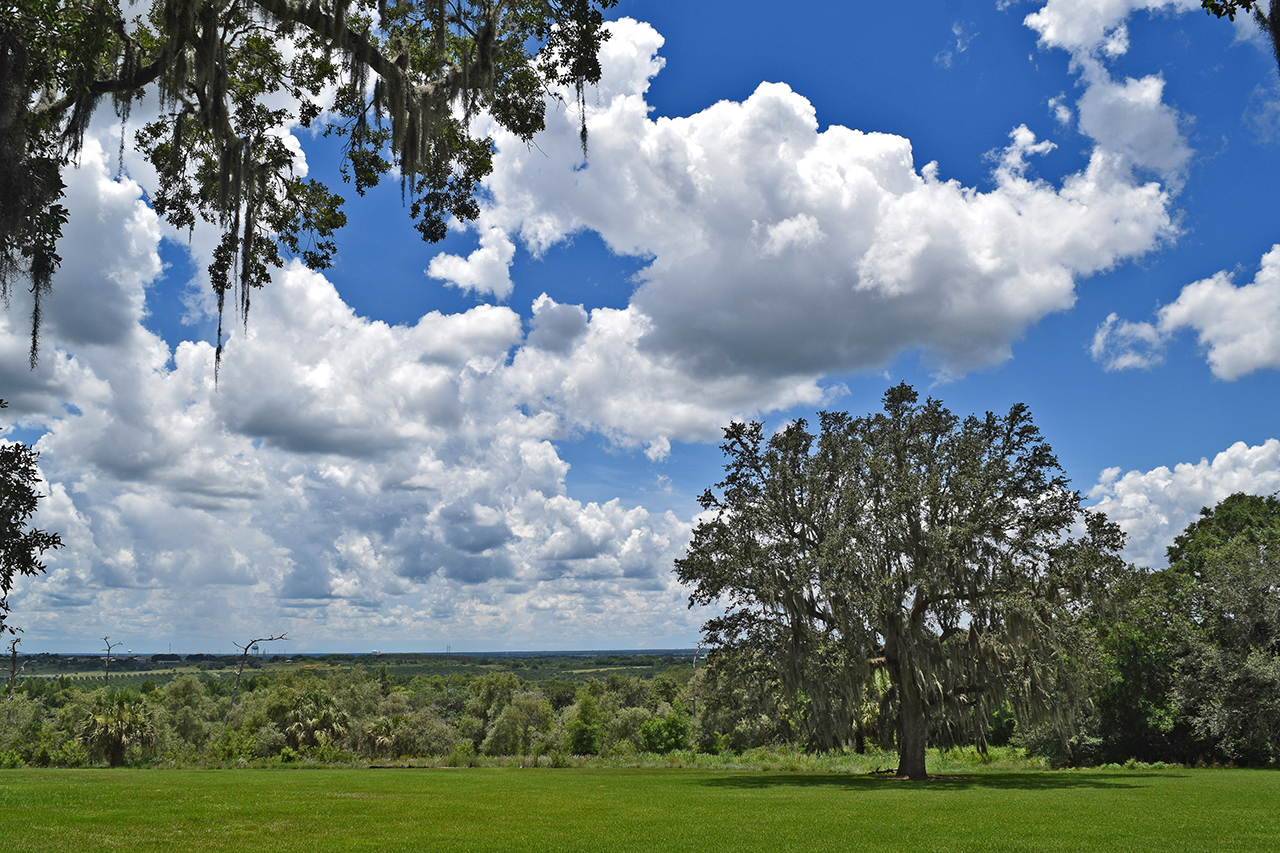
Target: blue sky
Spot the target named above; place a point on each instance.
(496, 442)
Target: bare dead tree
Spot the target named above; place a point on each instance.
(694, 681)
(244, 657)
(14, 670)
(106, 665)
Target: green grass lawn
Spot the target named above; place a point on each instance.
(479, 809)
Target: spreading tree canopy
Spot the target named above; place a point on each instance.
(396, 80)
(21, 545)
(909, 543)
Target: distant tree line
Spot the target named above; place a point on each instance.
(352, 715)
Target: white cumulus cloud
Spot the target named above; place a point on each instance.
(783, 253)
(1085, 27)
(1154, 506)
(349, 478)
(1238, 327)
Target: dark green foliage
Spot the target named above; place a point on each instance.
(218, 148)
(340, 717)
(525, 726)
(21, 546)
(1191, 653)
(1142, 640)
(665, 734)
(559, 692)
(584, 733)
(116, 722)
(1228, 682)
(1250, 518)
(742, 703)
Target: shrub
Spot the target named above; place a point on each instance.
(116, 722)
(584, 733)
(463, 755)
(270, 741)
(665, 734)
(623, 729)
(423, 733)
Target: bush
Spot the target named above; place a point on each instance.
(584, 733)
(665, 734)
(269, 741)
(423, 733)
(115, 722)
(1083, 749)
(623, 729)
(463, 755)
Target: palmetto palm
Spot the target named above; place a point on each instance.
(316, 721)
(116, 721)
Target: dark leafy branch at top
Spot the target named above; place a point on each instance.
(1269, 19)
(397, 80)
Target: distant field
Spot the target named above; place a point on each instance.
(535, 667)
(635, 810)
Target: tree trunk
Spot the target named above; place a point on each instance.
(913, 727)
(914, 731)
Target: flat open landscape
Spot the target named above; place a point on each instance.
(479, 809)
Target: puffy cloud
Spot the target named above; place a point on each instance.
(1131, 119)
(1155, 506)
(781, 253)
(353, 479)
(1061, 112)
(592, 372)
(1092, 27)
(484, 271)
(1237, 326)
(1122, 345)
(1128, 118)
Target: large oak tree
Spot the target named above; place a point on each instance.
(908, 542)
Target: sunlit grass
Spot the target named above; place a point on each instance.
(628, 809)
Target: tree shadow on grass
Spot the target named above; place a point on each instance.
(1037, 781)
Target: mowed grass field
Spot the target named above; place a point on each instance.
(482, 809)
